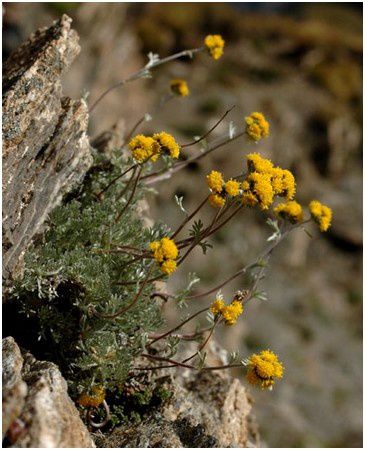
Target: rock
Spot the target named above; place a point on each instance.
(45, 146)
(206, 409)
(36, 404)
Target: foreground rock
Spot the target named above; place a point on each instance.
(207, 409)
(45, 146)
(37, 411)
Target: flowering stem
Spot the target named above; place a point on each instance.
(190, 217)
(174, 363)
(209, 131)
(119, 215)
(203, 344)
(201, 237)
(167, 173)
(162, 336)
(143, 72)
(128, 307)
(99, 194)
(130, 283)
(162, 103)
(127, 186)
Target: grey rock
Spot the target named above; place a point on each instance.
(36, 403)
(45, 146)
(206, 409)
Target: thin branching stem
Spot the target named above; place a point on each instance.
(128, 307)
(143, 73)
(162, 336)
(210, 130)
(119, 215)
(99, 194)
(165, 173)
(187, 219)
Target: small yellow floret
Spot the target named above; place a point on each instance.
(216, 201)
(215, 44)
(291, 211)
(232, 187)
(257, 127)
(217, 306)
(94, 399)
(321, 214)
(167, 144)
(256, 163)
(179, 87)
(164, 249)
(263, 369)
(168, 266)
(231, 312)
(215, 181)
(143, 148)
(260, 187)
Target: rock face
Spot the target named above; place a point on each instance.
(37, 411)
(206, 409)
(45, 145)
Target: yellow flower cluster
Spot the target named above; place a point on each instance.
(145, 148)
(321, 214)
(264, 181)
(179, 87)
(165, 253)
(230, 313)
(214, 43)
(263, 369)
(220, 189)
(94, 399)
(257, 127)
(291, 211)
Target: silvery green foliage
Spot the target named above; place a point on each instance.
(67, 276)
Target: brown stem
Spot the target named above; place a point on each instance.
(142, 71)
(128, 184)
(128, 307)
(161, 358)
(162, 336)
(164, 174)
(202, 345)
(189, 217)
(211, 130)
(130, 283)
(99, 194)
(119, 215)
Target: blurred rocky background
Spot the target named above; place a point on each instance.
(300, 64)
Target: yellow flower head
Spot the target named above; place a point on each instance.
(215, 181)
(321, 214)
(164, 249)
(143, 148)
(231, 312)
(168, 266)
(263, 369)
(291, 211)
(179, 87)
(214, 43)
(216, 200)
(259, 190)
(167, 144)
(94, 399)
(217, 306)
(232, 187)
(256, 163)
(257, 127)
(283, 183)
